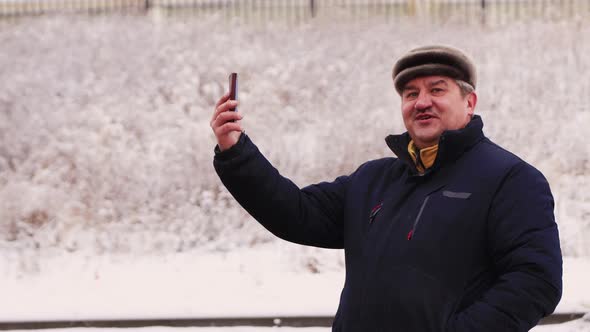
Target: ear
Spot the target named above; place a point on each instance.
(471, 102)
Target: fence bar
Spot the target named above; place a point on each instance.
(269, 321)
(484, 12)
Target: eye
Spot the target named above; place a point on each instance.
(437, 91)
(411, 94)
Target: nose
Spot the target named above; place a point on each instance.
(423, 102)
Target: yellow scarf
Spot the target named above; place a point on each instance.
(427, 156)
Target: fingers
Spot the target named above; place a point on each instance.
(224, 107)
(226, 123)
(224, 117)
(220, 102)
(227, 128)
(222, 99)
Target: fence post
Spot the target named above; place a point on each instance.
(312, 8)
(483, 12)
(419, 8)
(411, 7)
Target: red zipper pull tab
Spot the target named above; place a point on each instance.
(410, 233)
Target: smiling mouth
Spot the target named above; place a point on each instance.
(424, 117)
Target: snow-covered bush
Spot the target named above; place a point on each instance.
(105, 142)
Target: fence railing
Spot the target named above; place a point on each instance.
(269, 321)
(464, 11)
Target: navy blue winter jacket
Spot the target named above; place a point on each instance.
(471, 245)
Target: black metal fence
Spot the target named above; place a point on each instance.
(464, 11)
(269, 321)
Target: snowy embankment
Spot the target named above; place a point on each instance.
(105, 142)
(108, 201)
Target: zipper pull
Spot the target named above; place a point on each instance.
(410, 233)
(374, 212)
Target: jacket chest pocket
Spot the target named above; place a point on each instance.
(442, 214)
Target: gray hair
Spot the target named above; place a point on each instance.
(465, 87)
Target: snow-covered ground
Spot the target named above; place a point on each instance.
(241, 283)
(248, 282)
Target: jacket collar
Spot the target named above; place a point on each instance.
(452, 144)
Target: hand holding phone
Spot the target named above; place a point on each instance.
(224, 122)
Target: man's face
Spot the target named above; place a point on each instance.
(433, 104)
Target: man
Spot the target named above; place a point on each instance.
(456, 234)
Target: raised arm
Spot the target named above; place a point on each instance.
(311, 216)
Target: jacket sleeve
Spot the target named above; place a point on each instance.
(310, 216)
(524, 247)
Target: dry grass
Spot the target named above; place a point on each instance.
(105, 143)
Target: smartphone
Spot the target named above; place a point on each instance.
(233, 88)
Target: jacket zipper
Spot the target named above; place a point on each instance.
(413, 230)
(374, 212)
